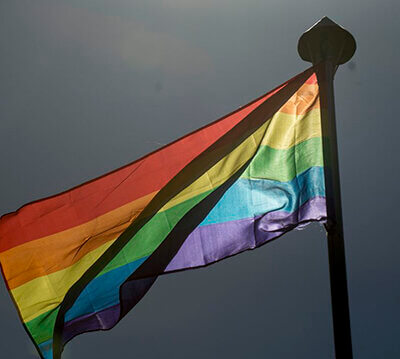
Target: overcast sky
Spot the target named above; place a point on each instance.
(89, 85)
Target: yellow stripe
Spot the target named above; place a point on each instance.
(297, 120)
(45, 293)
(286, 130)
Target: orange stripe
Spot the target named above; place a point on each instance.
(52, 253)
(299, 103)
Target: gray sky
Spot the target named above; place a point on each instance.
(87, 86)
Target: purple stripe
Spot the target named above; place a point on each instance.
(102, 320)
(208, 244)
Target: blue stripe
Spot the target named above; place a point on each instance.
(102, 292)
(46, 349)
(252, 197)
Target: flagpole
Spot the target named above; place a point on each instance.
(327, 45)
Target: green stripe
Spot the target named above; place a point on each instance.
(284, 165)
(41, 328)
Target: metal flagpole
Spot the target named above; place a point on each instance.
(327, 45)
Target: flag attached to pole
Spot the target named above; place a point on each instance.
(80, 260)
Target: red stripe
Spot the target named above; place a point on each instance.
(312, 80)
(99, 196)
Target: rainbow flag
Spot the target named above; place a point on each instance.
(80, 260)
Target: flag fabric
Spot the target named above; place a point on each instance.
(80, 260)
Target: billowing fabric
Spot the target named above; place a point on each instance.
(80, 260)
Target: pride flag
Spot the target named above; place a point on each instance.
(80, 260)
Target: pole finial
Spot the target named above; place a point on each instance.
(326, 40)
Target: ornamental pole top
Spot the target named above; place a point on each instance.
(326, 41)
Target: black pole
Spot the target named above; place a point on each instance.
(328, 45)
(334, 226)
